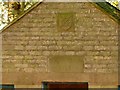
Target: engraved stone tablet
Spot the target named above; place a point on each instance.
(65, 21)
(66, 63)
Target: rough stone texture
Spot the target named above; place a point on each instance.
(30, 42)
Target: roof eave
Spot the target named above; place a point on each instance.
(20, 16)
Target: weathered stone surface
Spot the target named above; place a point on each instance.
(65, 21)
(66, 63)
(29, 44)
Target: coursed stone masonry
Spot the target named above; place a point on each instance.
(30, 42)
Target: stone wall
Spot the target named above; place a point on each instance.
(76, 35)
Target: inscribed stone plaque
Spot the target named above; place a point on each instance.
(66, 64)
(65, 21)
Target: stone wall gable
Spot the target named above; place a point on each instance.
(30, 44)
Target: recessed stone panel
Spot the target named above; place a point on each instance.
(66, 63)
(66, 21)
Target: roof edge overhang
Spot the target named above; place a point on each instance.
(108, 11)
(19, 17)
